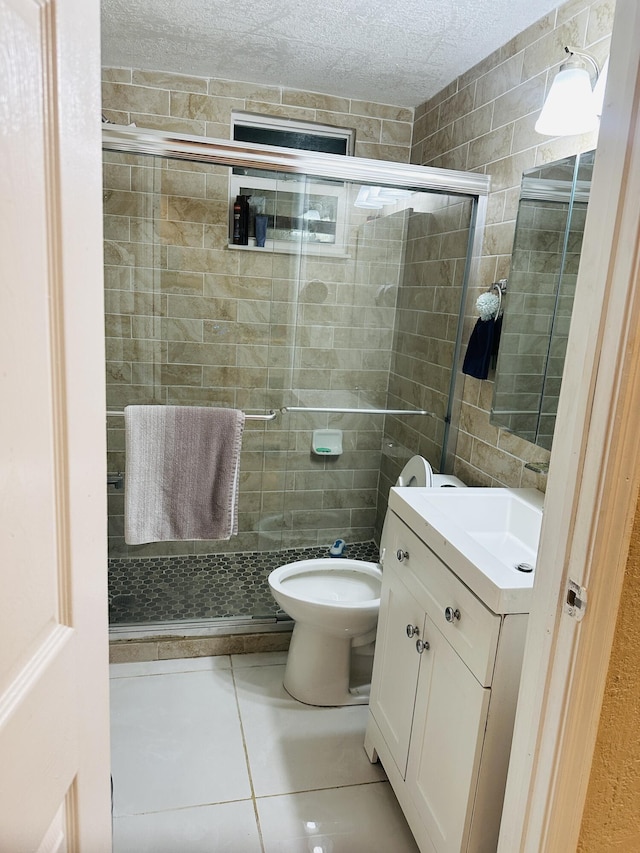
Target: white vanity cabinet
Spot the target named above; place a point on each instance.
(443, 696)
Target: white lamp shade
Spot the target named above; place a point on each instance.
(570, 106)
(599, 88)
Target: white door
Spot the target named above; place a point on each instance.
(54, 766)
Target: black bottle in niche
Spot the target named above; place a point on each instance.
(241, 220)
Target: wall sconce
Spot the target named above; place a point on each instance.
(570, 107)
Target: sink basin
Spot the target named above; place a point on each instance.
(488, 537)
(498, 519)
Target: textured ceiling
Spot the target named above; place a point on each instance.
(388, 51)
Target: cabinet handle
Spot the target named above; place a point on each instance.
(422, 646)
(402, 555)
(413, 631)
(451, 615)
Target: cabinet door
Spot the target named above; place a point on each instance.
(395, 671)
(446, 743)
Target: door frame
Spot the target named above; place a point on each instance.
(592, 488)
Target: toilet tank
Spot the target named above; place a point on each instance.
(439, 481)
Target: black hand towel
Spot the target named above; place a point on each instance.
(482, 347)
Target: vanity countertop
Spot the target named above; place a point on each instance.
(481, 534)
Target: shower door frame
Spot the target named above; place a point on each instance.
(230, 153)
(225, 152)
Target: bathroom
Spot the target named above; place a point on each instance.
(483, 454)
(276, 340)
(279, 500)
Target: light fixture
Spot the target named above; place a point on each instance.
(376, 198)
(570, 107)
(368, 198)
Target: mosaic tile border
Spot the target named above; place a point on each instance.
(210, 586)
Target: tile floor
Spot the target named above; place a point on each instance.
(211, 755)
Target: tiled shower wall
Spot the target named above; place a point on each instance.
(484, 121)
(202, 107)
(187, 318)
(191, 322)
(426, 325)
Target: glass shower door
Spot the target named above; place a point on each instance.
(354, 302)
(191, 321)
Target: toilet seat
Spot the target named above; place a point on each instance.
(417, 472)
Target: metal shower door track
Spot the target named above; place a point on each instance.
(227, 152)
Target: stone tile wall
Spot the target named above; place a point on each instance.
(202, 106)
(429, 305)
(484, 121)
(191, 322)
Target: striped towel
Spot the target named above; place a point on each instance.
(182, 466)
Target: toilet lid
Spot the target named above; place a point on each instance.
(417, 472)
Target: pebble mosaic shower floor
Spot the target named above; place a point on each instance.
(212, 586)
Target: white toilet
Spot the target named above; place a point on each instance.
(334, 603)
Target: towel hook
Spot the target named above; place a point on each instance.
(501, 288)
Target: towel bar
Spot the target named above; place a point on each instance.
(355, 411)
(271, 416)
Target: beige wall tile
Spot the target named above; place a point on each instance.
(548, 51)
(217, 130)
(167, 80)
(513, 105)
(315, 101)
(600, 20)
(170, 123)
(499, 80)
(282, 110)
(140, 99)
(459, 103)
(368, 128)
(536, 31)
(116, 75)
(244, 91)
(397, 153)
(396, 133)
(525, 98)
(472, 125)
(494, 145)
(203, 107)
(384, 111)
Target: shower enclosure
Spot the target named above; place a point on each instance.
(349, 318)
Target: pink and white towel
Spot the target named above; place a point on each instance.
(182, 467)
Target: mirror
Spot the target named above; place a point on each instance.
(537, 308)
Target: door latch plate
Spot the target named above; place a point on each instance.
(576, 602)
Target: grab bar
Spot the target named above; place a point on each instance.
(271, 416)
(341, 411)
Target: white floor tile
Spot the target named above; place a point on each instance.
(225, 828)
(176, 742)
(160, 667)
(359, 819)
(296, 747)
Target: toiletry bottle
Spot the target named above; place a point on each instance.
(237, 216)
(244, 219)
